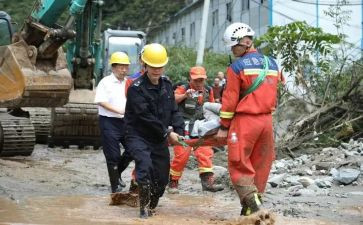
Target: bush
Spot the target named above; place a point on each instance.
(182, 58)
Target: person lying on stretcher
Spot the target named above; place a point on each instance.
(203, 130)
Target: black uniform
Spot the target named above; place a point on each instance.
(150, 109)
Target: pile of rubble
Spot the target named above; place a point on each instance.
(313, 175)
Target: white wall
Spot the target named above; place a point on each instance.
(307, 12)
(283, 12)
(257, 17)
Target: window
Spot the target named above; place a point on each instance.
(192, 32)
(229, 12)
(183, 34)
(167, 40)
(262, 1)
(129, 45)
(215, 18)
(5, 37)
(192, 29)
(174, 36)
(245, 5)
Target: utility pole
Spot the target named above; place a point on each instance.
(317, 13)
(203, 32)
(270, 11)
(317, 26)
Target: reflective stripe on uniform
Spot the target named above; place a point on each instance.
(258, 202)
(205, 169)
(175, 173)
(248, 72)
(257, 199)
(226, 115)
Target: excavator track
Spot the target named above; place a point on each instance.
(40, 118)
(17, 136)
(75, 124)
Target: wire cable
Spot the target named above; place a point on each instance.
(326, 3)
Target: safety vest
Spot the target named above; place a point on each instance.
(191, 108)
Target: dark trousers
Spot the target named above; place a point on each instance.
(152, 163)
(113, 133)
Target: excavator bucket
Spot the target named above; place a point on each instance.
(26, 81)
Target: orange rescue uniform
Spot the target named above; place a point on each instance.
(251, 155)
(204, 154)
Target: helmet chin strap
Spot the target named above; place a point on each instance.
(245, 45)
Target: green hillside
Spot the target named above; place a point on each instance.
(117, 14)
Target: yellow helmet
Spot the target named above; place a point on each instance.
(119, 58)
(154, 55)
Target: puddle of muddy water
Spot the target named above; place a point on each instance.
(173, 209)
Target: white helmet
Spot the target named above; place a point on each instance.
(235, 32)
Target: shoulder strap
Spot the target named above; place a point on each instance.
(208, 88)
(259, 79)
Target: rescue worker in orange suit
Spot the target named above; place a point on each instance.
(246, 120)
(190, 98)
(150, 110)
(111, 100)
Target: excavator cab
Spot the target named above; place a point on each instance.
(130, 42)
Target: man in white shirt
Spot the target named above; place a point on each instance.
(111, 100)
(222, 79)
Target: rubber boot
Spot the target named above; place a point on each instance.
(114, 178)
(173, 186)
(144, 196)
(154, 201)
(134, 188)
(252, 202)
(121, 183)
(208, 182)
(123, 164)
(249, 199)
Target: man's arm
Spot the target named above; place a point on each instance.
(180, 97)
(112, 108)
(230, 100)
(177, 120)
(211, 96)
(102, 99)
(181, 94)
(101, 95)
(230, 97)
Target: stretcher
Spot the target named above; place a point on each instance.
(206, 132)
(209, 140)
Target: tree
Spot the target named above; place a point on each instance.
(139, 14)
(304, 51)
(117, 14)
(181, 59)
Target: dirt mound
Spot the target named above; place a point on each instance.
(126, 198)
(263, 217)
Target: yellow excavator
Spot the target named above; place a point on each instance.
(36, 72)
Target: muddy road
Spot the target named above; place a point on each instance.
(70, 186)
